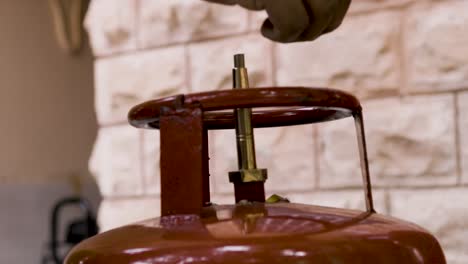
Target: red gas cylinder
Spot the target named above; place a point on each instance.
(193, 230)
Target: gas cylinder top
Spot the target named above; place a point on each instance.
(264, 233)
(193, 230)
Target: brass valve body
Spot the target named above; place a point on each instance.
(248, 171)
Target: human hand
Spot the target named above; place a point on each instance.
(296, 20)
(249, 4)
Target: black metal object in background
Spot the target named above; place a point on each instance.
(77, 231)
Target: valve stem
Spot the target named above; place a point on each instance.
(248, 171)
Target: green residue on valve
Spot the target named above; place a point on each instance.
(277, 199)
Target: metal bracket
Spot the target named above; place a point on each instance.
(184, 160)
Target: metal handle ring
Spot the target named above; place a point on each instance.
(309, 105)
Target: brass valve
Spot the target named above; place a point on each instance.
(248, 171)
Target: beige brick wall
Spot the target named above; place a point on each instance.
(406, 60)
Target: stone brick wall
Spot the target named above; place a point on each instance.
(406, 60)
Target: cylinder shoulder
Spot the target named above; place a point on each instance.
(265, 233)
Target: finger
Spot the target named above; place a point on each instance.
(321, 14)
(339, 16)
(224, 2)
(286, 21)
(252, 4)
(325, 17)
(249, 4)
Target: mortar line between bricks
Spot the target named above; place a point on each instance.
(435, 92)
(142, 160)
(457, 138)
(402, 187)
(136, 24)
(411, 95)
(387, 201)
(130, 197)
(402, 54)
(187, 68)
(249, 19)
(174, 44)
(374, 188)
(317, 155)
(380, 9)
(113, 124)
(274, 64)
(212, 160)
(396, 187)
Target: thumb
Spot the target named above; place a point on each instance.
(287, 20)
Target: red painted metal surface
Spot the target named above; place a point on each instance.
(259, 233)
(318, 104)
(249, 191)
(184, 161)
(191, 230)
